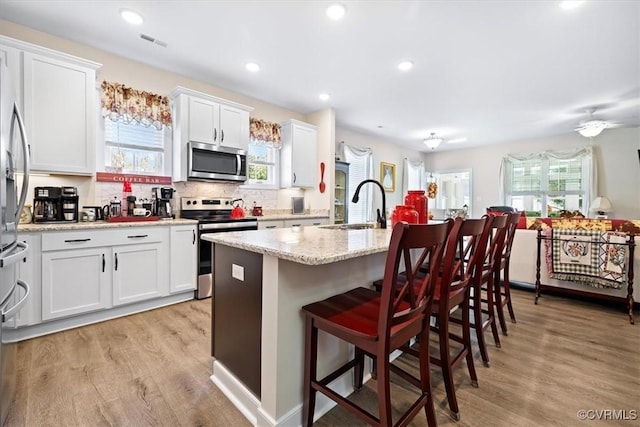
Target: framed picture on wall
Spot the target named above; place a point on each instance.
(388, 176)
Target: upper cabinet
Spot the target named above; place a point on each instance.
(58, 99)
(198, 117)
(298, 166)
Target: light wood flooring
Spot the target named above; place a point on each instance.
(153, 368)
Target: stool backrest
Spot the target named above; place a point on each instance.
(411, 246)
(495, 247)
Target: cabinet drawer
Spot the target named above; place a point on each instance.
(55, 241)
(262, 225)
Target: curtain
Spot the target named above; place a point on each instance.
(413, 176)
(589, 171)
(360, 168)
(121, 102)
(264, 132)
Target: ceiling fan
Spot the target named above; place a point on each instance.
(593, 127)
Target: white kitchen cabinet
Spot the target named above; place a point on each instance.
(89, 270)
(269, 224)
(198, 117)
(184, 258)
(74, 281)
(298, 166)
(59, 104)
(303, 222)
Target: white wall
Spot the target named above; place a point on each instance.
(615, 152)
(383, 151)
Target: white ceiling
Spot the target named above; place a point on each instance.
(490, 71)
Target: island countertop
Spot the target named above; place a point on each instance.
(307, 245)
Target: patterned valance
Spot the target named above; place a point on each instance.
(263, 132)
(121, 102)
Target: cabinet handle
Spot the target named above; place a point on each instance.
(103, 263)
(215, 134)
(221, 135)
(138, 236)
(270, 226)
(116, 264)
(316, 223)
(25, 258)
(294, 177)
(296, 225)
(76, 240)
(194, 237)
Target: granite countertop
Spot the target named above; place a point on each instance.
(307, 245)
(101, 224)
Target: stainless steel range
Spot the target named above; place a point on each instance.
(214, 216)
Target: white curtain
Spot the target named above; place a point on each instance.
(413, 176)
(589, 171)
(360, 168)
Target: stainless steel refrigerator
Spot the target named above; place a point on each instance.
(14, 158)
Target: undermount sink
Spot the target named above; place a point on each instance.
(348, 226)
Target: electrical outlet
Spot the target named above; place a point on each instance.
(237, 272)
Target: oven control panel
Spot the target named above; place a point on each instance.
(203, 203)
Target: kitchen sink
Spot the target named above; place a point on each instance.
(348, 226)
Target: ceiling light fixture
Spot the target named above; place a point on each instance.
(570, 4)
(253, 67)
(405, 65)
(432, 142)
(324, 97)
(592, 128)
(336, 11)
(133, 18)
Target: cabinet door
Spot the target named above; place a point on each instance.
(303, 157)
(59, 114)
(140, 272)
(74, 281)
(203, 120)
(234, 127)
(184, 254)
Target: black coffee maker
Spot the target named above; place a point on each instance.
(162, 197)
(55, 204)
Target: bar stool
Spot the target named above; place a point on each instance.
(379, 323)
(502, 287)
(462, 262)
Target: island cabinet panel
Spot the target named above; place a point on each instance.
(237, 313)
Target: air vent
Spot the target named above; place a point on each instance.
(153, 40)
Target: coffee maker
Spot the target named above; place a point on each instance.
(55, 204)
(162, 197)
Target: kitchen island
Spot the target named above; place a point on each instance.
(268, 275)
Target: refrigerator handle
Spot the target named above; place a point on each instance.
(26, 163)
(13, 255)
(6, 315)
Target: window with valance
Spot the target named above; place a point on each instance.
(263, 158)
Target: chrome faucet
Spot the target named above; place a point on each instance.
(382, 219)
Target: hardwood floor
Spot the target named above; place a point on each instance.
(153, 369)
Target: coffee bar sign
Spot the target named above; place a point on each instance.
(134, 179)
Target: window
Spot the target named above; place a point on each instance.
(415, 178)
(454, 190)
(134, 148)
(262, 165)
(545, 184)
(360, 168)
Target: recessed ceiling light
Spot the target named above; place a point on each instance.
(324, 97)
(456, 140)
(570, 4)
(405, 65)
(336, 11)
(133, 18)
(253, 67)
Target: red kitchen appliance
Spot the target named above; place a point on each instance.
(238, 211)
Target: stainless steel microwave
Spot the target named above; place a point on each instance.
(212, 162)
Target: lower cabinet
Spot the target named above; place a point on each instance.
(74, 282)
(302, 222)
(265, 225)
(85, 271)
(184, 258)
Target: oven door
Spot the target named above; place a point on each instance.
(205, 250)
(211, 162)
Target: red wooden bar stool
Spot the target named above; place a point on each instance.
(502, 288)
(379, 323)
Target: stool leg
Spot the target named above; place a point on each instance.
(425, 375)
(445, 362)
(507, 292)
(477, 325)
(498, 296)
(466, 337)
(310, 365)
(384, 390)
(358, 369)
(492, 312)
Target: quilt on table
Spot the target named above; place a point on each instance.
(592, 257)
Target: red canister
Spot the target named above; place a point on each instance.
(404, 213)
(418, 200)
